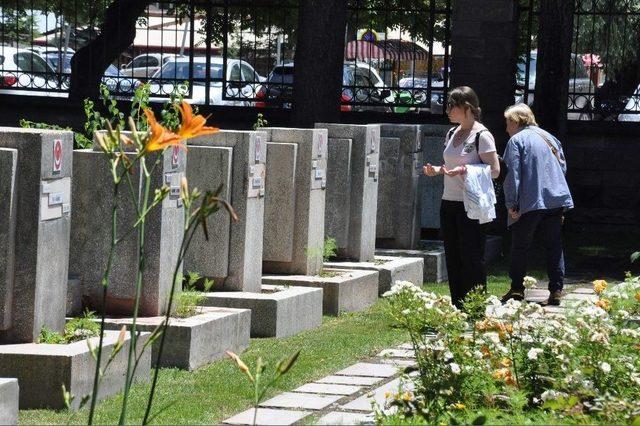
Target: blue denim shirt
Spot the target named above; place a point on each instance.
(535, 179)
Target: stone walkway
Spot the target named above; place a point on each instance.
(346, 397)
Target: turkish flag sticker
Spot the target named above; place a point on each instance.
(57, 156)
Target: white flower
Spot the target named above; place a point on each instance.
(552, 394)
(448, 355)
(529, 282)
(605, 367)
(492, 337)
(533, 353)
(455, 368)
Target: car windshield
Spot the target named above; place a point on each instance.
(283, 75)
(180, 71)
(112, 70)
(522, 66)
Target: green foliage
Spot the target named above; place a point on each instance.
(17, 26)
(169, 116)
(260, 122)
(50, 337)
(261, 383)
(330, 249)
(474, 303)
(188, 304)
(76, 329)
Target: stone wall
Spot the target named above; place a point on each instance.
(603, 175)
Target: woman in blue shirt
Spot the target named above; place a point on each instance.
(536, 195)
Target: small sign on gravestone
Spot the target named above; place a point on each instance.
(57, 156)
(258, 148)
(321, 143)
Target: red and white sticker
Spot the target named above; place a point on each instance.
(57, 156)
(175, 156)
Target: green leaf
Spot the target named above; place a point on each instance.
(635, 256)
(480, 420)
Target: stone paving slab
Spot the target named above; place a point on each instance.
(328, 389)
(267, 416)
(399, 363)
(581, 296)
(369, 370)
(301, 400)
(397, 353)
(344, 418)
(583, 290)
(406, 346)
(363, 403)
(350, 380)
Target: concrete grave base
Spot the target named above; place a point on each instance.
(390, 269)
(343, 290)
(434, 264)
(42, 369)
(198, 340)
(277, 311)
(9, 401)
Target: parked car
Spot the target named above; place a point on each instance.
(117, 84)
(415, 94)
(145, 65)
(632, 108)
(242, 80)
(361, 84)
(23, 69)
(581, 89)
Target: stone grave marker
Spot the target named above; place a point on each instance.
(91, 237)
(363, 163)
(295, 202)
(34, 231)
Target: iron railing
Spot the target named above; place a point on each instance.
(605, 59)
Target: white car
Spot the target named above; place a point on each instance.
(23, 72)
(146, 65)
(242, 81)
(632, 108)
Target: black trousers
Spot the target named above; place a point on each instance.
(549, 222)
(464, 241)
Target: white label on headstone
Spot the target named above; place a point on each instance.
(320, 144)
(319, 174)
(55, 198)
(261, 193)
(53, 201)
(373, 168)
(324, 183)
(252, 170)
(256, 182)
(57, 155)
(66, 208)
(258, 149)
(314, 164)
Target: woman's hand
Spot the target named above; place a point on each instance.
(514, 214)
(460, 170)
(431, 171)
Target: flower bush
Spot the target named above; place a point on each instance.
(517, 359)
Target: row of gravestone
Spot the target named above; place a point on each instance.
(290, 188)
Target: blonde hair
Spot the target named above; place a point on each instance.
(520, 114)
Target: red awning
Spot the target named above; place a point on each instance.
(385, 49)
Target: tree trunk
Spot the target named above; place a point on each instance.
(319, 57)
(554, 60)
(117, 34)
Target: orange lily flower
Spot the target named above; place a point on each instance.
(193, 125)
(161, 138)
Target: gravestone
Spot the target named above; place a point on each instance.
(91, 237)
(431, 188)
(34, 231)
(398, 217)
(247, 177)
(208, 168)
(360, 214)
(295, 203)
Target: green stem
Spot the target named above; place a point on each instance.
(105, 285)
(141, 264)
(187, 236)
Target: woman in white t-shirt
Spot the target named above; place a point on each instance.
(464, 238)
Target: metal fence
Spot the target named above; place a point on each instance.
(605, 59)
(233, 53)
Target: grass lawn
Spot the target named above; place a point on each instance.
(219, 391)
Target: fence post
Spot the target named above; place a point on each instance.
(483, 46)
(554, 56)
